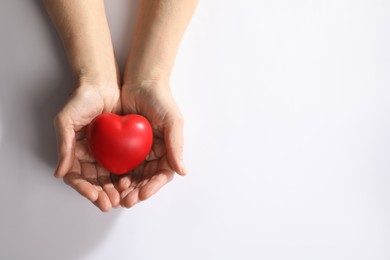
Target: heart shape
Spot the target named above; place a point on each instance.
(119, 143)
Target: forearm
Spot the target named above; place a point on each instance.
(83, 28)
(159, 29)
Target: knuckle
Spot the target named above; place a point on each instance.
(174, 120)
(59, 119)
(170, 178)
(179, 148)
(180, 118)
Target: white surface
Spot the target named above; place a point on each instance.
(287, 107)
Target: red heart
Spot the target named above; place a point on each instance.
(119, 143)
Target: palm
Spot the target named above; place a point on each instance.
(146, 179)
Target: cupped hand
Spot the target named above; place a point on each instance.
(76, 165)
(155, 102)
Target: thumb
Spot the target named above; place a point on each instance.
(174, 141)
(66, 142)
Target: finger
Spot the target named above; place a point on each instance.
(115, 180)
(131, 198)
(174, 141)
(126, 192)
(103, 202)
(82, 186)
(155, 184)
(157, 151)
(66, 145)
(90, 175)
(124, 182)
(107, 185)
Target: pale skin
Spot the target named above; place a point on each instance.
(98, 88)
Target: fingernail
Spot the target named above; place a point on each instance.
(93, 196)
(56, 175)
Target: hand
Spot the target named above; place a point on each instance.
(156, 103)
(76, 164)
(84, 30)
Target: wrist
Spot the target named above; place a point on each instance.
(95, 70)
(96, 79)
(92, 60)
(145, 83)
(143, 70)
(101, 76)
(136, 76)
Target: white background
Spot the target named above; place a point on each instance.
(287, 107)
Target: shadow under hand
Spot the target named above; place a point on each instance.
(46, 105)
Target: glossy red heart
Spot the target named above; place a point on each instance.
(119, 143)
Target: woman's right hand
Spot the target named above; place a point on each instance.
(76, 165)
